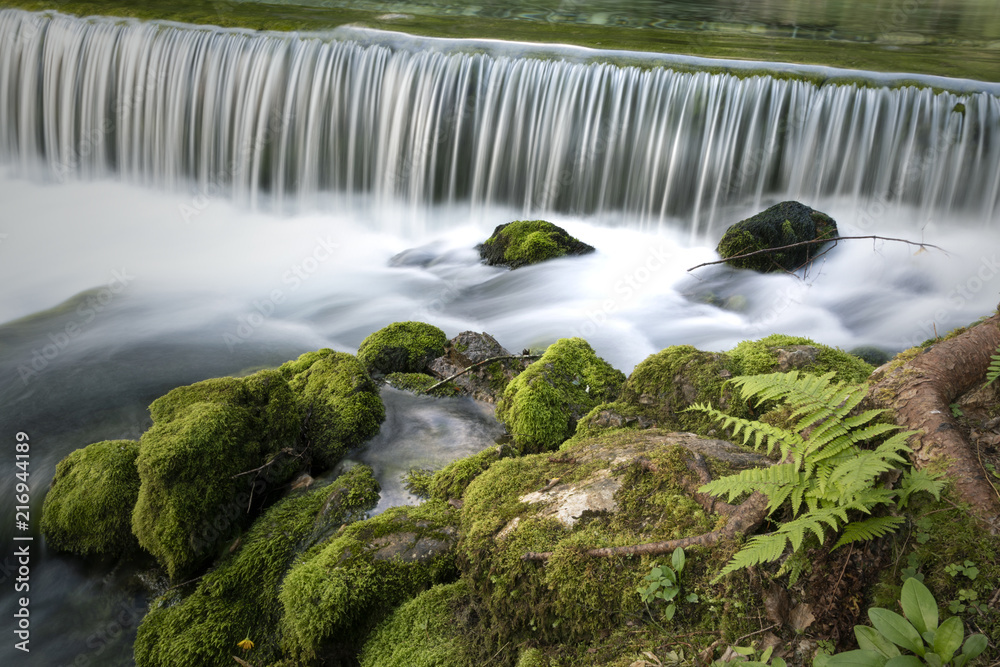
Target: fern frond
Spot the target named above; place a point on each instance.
(759, 549)
(919, 480)
(869, 529)
(993, 372)
(761, 433)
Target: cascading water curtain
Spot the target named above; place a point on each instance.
(286, 116)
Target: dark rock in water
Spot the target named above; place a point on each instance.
(781, 225)
(524, 242)
(871, 354)
(487, 382)
(421, 257)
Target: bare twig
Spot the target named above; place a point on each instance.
(834, 241)
(477, 365)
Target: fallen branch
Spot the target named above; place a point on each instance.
(922, 246)
(477, 365)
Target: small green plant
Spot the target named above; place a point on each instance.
(993, 372)
(750, 657)
(664, 584)
(956, 411)
(919, 633)
(824, 474)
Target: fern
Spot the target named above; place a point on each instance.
(993, 372)
(825, 477)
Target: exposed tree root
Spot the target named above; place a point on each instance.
(920, 392)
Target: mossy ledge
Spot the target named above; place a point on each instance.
(402, 347)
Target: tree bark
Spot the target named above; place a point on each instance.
(920, 393)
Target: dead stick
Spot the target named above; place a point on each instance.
(477, 365)
(815, 241)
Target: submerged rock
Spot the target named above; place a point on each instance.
(542, 405)
(402, 347)
(524, 242)
(782, 224)
(88, 508)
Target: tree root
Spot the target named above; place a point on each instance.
(920, 392)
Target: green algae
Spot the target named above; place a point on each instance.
(88, 508)
(542, 405)
(239, 597)
(402, 347)
(337, 592)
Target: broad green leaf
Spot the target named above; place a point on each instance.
(932, 659)
(670, 593)
(949, 638)
(742, 650)
(896, 629)
(669, 613)
(766, 655)
(670, 574)
(905, 661)
(692, 597)
(678, 559)
(857, 659)
(779, 662)
(974, 645)
(870, 639)
(919, 606)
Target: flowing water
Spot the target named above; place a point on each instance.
(180, 203)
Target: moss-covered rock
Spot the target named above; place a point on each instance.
(524, 242)
(402, 347)
(452, 480)
(780, 225)
(338, 591)
(423, 632)
(191, 497)
(778, 353)
(621, 488)
(88, 508)
(665, 384)
(239, 598)
(342, 402)
(542, 405)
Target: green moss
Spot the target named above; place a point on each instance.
(239, 598)
(402, 347)
(574, 597)
(619, 414)
(673, 379)
(88, 508)
(780, 225)
(422, 632)
(452, 480)
(192, 498)
(342, 402)
(542, 405)
(760, 356)
(419, 383)
(525, 242)
(337, 592)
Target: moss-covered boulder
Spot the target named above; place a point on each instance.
(542, 405)
(239, 598)
(341, 400)
(780, 225)
(665, 384)
(88, 508)
(424, 632)
(619, 489)
(524, 242)
(193, 497)
(402, 347)
(487, 382)
(338, 591)
(452, 480)
(779, 353)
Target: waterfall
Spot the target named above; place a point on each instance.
(278, 118)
